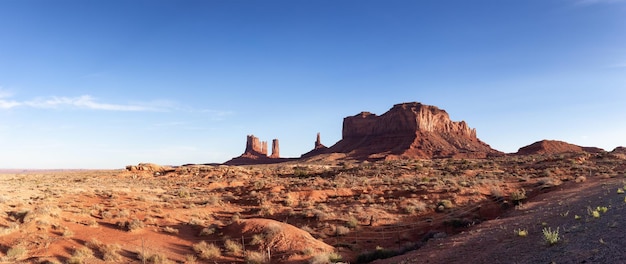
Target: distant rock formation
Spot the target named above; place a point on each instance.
(409, 130)
(620, 150)
(555, 147)
(255, 147)
(275, 149)
(318, 148)
(149, 168)
(256, 153)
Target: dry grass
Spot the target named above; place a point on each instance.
(233, 247)
(207, 251)
(256, 257)
(16, 253)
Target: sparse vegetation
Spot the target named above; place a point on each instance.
(233, 247)
(551, 237)
(339, 204)
(521, 232)
(206, 250)
(256, 257)
(170, 230)
(16, 252)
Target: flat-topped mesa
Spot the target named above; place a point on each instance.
(406, 118)
(411, 130)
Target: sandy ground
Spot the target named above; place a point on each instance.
(454, 211)
(568, 209)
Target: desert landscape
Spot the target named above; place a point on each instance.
(408, 186)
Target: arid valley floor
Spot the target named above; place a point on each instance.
(492, 210)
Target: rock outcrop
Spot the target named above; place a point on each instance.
(275, 149)
(620, 150)
(254, 146)
(151, 168)
(318, 148)
(555, 147)
(256, 153)
(409, 130)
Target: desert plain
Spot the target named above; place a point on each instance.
(426, 211)
(409, 186)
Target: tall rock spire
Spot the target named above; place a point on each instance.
(275, 149)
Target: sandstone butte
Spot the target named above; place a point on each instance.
(256, 153)
(409, 130)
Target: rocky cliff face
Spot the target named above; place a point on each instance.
(409, 130)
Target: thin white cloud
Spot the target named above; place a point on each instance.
(7, 104)
(83, 102)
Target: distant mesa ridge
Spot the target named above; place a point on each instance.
(555, 147)
(407, 130)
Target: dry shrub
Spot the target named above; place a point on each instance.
(207, 231)
(16, 252)
(548, 182)
(352, 222)
(190, 259)
(79, 255)
(154, 258)
(257, 239)
(256, 257)
(518, 195)
(170, 230)
(233, 247)
(206, 250)
(109, 252)
(132, 225)
(324, 258)
(341, 230)
(413, 207)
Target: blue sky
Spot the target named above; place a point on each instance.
(104, 84)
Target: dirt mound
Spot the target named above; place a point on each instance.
(281, 238)
(409, 130)
(555, 147)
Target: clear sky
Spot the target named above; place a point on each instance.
(107, 83)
